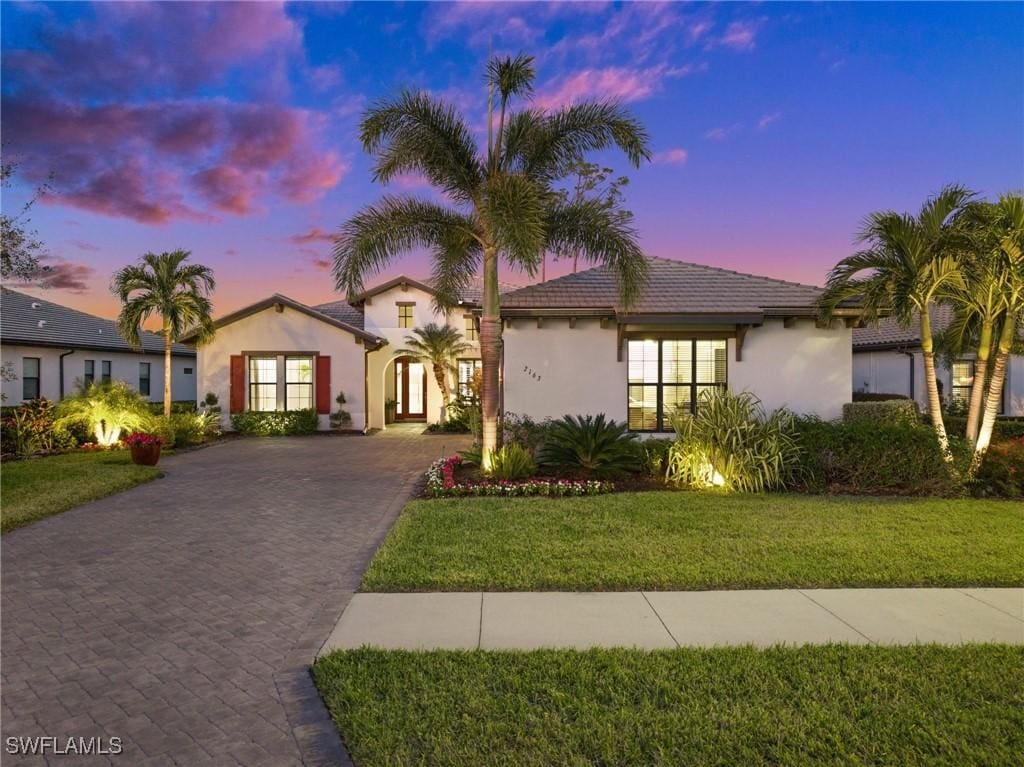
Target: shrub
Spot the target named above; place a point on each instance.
(185, 429)
(177, 406)
(1002, 472)
(590, 446)
(512, 461)
(276, 423)
(732, 443)
(872, 396)
(29, 429)
(870, 457)
(441, 484)
(1005, 428)
(106, 407)
(524, 431)
(895, 411)
(655, 456)
(341, 418)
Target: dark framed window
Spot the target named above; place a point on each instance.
(472, 334)
(298, 383)
(188, 371)
(144, 378)
(30, 377)
(263, 383)
(962, 381)
(405, 315)
(105, 370)
(90, 372)
(467, 369)
(665, 374)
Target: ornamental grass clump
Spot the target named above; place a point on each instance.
(512, 461)
(733, 444)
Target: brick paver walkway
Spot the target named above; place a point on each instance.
(181, 616)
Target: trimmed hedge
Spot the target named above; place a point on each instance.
(892, 412)
(876, 396)
(276, 423)
(870, 457)
(1005, 428)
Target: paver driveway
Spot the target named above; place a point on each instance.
(182, 615)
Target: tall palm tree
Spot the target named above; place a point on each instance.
(907, 261)
(439, 345)
(1005, 222)
(502, 202)
(179, 293)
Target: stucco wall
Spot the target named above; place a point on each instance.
(124, 366)
(888, 372)
(554, 370)
(805, 368)
(284, 332)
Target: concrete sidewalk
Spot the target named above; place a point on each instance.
(666, 619)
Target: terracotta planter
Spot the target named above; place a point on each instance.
(145, 455)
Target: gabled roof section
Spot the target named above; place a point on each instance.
(673, 288)
(37, 322)
(280, 300)
(472, 295)
(394, 283)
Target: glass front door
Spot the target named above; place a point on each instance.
(410, 390)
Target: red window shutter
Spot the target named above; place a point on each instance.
(323, 384)
(237, 383)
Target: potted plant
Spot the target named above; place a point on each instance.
(145, 448)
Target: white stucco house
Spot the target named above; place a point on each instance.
(887, 359)
(568, 348)
(51, 349)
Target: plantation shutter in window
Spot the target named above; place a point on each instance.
(323, 384)
(237, 399)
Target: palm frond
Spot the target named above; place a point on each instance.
(512, 75)
(602, 236)
(513, 212)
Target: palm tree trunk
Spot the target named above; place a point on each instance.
(490, 356)
(443, 386)
(995, 393)
(934, 403)
(167, 372)
(978, 387)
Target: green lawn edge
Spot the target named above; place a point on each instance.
(830, 704)
(699, 541)
(37, 488)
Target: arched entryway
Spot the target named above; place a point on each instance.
(410, 387)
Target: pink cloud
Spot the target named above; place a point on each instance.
(59, 274)
(617, 83)
(722, 133)
(767, 120)
(740, 35)
(315, 234)
(677, 156)
(227, 188)
(86, 246)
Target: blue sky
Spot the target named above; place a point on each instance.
(231, 129)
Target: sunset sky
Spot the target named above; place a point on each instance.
(230, 129)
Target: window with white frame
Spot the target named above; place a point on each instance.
(467, 369)
(666, 374)
(298, 383)
(472, 334)
(263, 383)
(963, 380)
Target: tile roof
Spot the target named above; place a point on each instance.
(674, 287)
(37, 322)
(343, 311)
(888, 332)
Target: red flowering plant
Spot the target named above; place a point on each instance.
(1002, 471)
(141, 439)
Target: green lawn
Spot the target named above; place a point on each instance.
(699, 541)
(834, 705)
(38, 487)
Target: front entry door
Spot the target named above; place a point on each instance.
(410, 390)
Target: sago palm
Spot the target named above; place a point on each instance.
(165, 286)
(503, 202)
(906, 262)
(439, 345)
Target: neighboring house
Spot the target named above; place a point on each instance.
(568, 348)
(52, 350)
(887, 359)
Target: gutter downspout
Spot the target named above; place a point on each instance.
(366, 391)
(60, 368)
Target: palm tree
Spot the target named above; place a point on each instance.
(439, 345)
(907, 261)
(166, 286)
(503, 203)
(1005, 223)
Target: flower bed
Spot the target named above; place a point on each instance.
(442, 483)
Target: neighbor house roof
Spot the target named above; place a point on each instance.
(890, 333)
(36, 322)
(673, 288)
(280, 300)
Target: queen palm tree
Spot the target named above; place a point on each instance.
(177, 292)
(907, 261)
(1004, 221)
(439, 345)
(502, 203)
